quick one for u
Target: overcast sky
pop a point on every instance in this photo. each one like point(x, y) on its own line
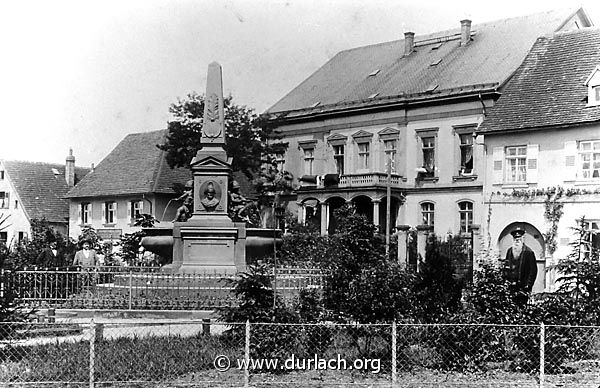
point(83, 74)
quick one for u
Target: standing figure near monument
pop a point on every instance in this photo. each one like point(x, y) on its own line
point(51, 257)
point(520, 267)
point(209, 201)
point(86, 257)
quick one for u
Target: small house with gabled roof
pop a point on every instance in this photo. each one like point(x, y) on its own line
point(33, 190)
point(543, 150)
point(134, 178)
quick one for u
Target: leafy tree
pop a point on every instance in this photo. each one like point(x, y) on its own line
point(579, 272)
point(361, 284)
point(247, 136)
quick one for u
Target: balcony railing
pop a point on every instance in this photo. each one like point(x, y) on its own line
point(369, 179)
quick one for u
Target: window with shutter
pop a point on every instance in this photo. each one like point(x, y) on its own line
point(570, 165)
point(498, 157)
point(532, 163)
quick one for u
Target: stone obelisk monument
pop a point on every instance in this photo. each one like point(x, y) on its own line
point(209, 241)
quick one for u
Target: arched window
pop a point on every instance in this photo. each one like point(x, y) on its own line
point(465, 212)
point(428, 213)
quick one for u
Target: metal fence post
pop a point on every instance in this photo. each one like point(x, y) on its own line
point(92, 352)
point(247, 356)
point(542, 352)
point(394, 373)
point(130, 289)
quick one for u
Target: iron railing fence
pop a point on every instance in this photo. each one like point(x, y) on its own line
point(137, 288)
point(198, 353)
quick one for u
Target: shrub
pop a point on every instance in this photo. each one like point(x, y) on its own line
point(437, 289)
point(257, 303)
point(26, 254)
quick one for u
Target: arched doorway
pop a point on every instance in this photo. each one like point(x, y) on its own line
point(312, 214)
point(334, 204)
point(535, 241)
point(364, 206)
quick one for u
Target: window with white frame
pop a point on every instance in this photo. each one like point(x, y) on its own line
point(589, 159)
point(363, 156)
point(309, 159)
point(592, 237)
point(137, 208)
point(593, 84)
point(110, 212)
point(516, 164)
point(428, 213)
point(390, 152)
point(465, 213)
point(86, 210)
point(466, 154)
point(428, 149)
point(1, 175)
point(3, 238)
point(338, 157)
point(4, 200)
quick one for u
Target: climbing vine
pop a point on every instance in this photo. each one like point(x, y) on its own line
point(552, 213)
point(553, 206)
point(488, 222)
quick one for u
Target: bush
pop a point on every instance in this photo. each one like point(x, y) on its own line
point(26, 254)
point(437, 289)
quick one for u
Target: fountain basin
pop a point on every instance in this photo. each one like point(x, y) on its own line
point(260, 242)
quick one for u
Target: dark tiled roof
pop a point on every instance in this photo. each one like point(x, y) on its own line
point(40, 190)
point(135, 166)
point(490, 58)
point(548, 88)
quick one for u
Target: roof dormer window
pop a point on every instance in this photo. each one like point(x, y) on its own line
point(593, 85)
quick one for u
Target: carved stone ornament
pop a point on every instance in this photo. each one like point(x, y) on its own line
point(212, 114)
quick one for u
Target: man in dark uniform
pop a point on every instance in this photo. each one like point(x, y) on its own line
point(520, 267)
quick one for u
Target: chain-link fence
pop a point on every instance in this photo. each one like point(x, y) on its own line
point(202, 353)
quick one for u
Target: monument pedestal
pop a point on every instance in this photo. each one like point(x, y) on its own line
point(199, 248)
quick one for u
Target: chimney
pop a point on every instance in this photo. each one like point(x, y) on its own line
point(409, 43)
point(465, 32)
point(70, 169)
point(92, 168)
